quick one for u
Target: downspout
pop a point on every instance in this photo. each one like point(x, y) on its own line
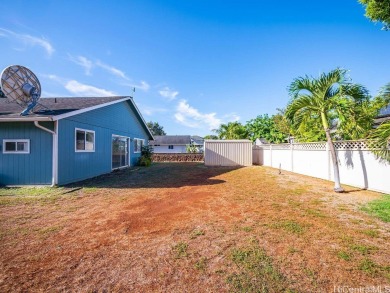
point(55, 150)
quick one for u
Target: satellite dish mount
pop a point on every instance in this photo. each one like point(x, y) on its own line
point(21, 86)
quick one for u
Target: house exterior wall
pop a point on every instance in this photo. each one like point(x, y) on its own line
point(118, 119)
point(163, 149)
point(32, 168)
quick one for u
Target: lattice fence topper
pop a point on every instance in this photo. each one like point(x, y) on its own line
point(263, 146)
point(310, 146)
point(356, 145)
point(281, 146)
point(362, 145)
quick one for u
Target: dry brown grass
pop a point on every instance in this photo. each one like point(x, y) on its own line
point(186, 227)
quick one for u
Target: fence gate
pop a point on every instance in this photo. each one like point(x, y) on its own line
point(228, 152)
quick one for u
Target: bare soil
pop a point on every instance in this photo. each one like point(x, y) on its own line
point(175, 227)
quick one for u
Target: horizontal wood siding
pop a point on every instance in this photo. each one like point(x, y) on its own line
point(118, 119)
point(32, 168)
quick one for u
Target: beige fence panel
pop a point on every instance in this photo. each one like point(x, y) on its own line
point(228, 153)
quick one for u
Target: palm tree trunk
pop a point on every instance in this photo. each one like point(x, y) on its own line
point(336, 173)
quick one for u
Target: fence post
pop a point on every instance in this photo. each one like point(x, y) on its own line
point(270, 152)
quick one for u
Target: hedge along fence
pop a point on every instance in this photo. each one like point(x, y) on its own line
point(177, 158)
point(357, 164)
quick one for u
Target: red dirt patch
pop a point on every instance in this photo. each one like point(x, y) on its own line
point(118, 232)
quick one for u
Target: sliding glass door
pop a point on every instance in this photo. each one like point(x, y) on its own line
point(120, 151)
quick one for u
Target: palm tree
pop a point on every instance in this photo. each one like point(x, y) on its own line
point(381, 135)
point(232, 130)
point(325, 98)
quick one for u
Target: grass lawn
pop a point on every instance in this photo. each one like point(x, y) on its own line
point(186, 228)
point(379, 208)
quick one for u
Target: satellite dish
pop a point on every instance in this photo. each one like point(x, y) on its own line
point(21, 86)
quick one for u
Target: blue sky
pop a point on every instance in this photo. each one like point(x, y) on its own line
point(194, 64)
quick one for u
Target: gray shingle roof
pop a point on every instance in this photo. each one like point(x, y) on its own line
point(171, 140)
point(197, 140)
point(53, 106)
point(384, 112)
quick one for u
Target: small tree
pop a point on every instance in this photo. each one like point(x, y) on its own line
point(378, 10)
point(324, 99)
point(146, 156)
point(264, 126)
point(232, 130)
point(191, 148)
point(210, 136)
point(155, 128)
point(381, 135)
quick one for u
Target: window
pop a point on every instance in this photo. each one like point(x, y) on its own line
point(170, 147)
point(138, 144)
point(16, 146)
point(85, 140)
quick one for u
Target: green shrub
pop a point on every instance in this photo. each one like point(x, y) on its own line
point(146, 156)
point(146, 162)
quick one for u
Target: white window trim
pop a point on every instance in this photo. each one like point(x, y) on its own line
point(75, 140)
point(128, 151)
point(16, 141)
point(143, 144)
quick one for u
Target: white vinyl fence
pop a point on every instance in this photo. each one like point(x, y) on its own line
point(228, 152)
point(358, 166)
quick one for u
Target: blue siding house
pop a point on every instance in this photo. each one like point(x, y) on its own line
point(69, 139)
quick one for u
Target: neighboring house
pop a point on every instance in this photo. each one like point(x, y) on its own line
point(163, 144)
point(384, 115)
point(73, 139)
point(198, 141)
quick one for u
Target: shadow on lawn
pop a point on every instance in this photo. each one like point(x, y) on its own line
point(159, 175)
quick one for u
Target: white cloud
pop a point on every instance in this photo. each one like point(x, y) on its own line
point(29, 40)
point(233, 117)
point(169, 94)
point(83, 62)
point(85, 90)
point(148, 111)
point(191, 117)
point(112, 70)
point(78, 88)
point(53, 77)
point(51, 94)
point(124, 80)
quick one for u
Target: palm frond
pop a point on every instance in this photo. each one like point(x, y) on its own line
point(356, 92)
point(300, 84)
point(381, 136)
point(297, 104)
point(332, 91)
point(385, 93)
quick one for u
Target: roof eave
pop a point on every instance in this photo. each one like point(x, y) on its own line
point(26, 119)
point(142, 118)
